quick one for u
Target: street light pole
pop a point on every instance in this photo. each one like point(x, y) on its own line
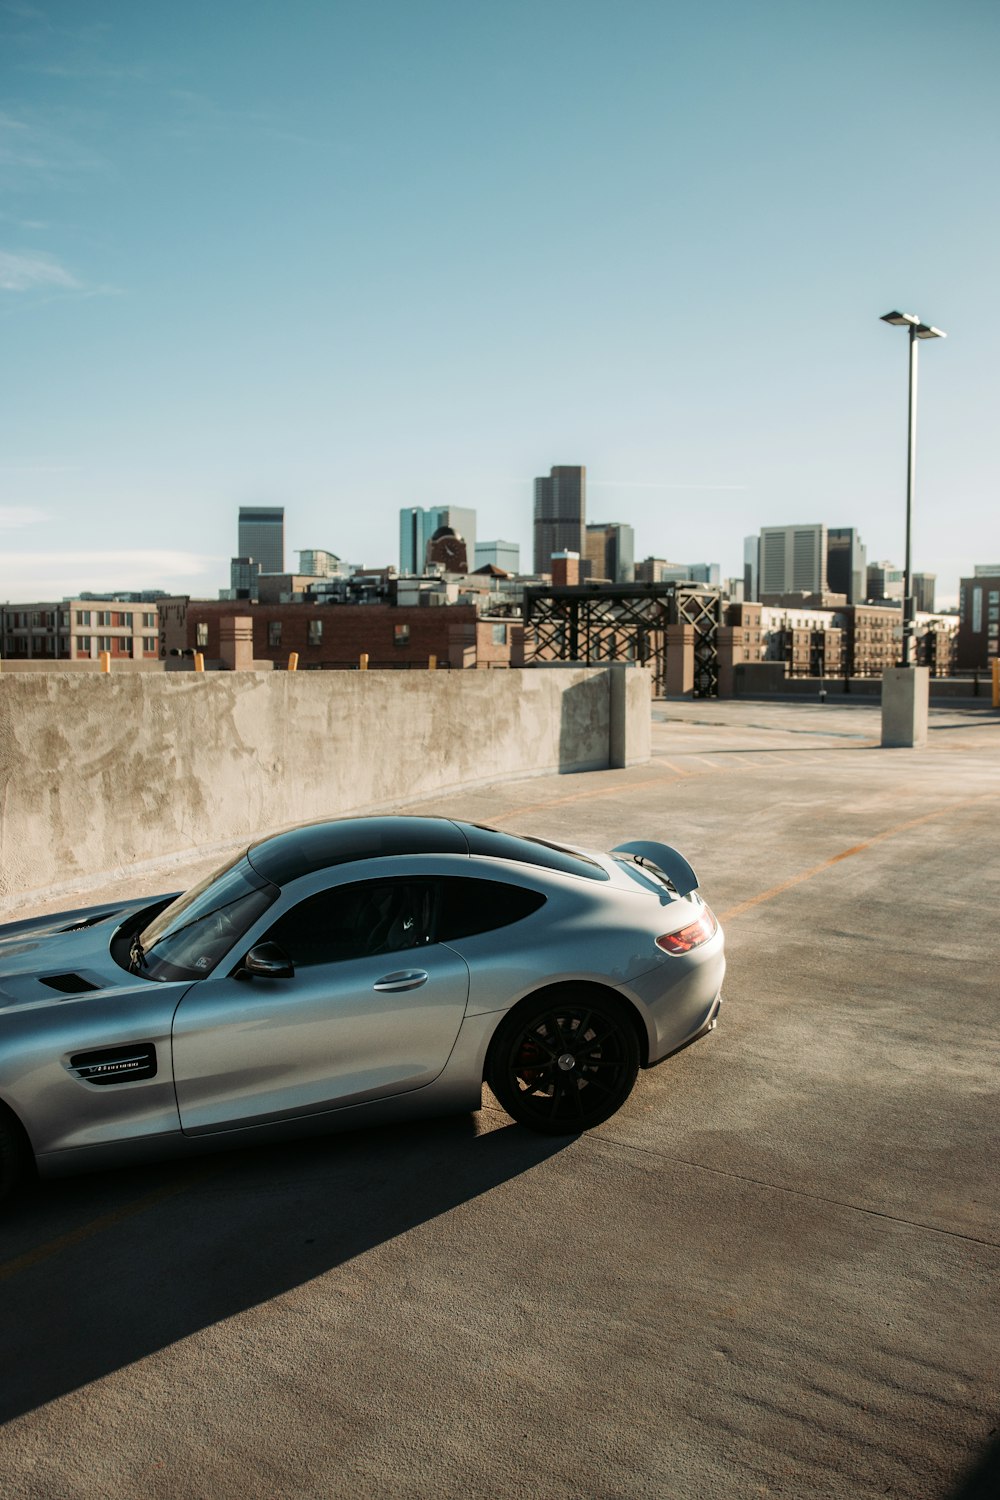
point(917, 330)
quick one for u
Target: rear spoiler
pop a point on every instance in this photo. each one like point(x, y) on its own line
point(664, 859)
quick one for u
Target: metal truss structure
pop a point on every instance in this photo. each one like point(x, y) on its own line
point(601, 622)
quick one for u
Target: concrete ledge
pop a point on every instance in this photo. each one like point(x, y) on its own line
point(127, 664)
point(99, 772)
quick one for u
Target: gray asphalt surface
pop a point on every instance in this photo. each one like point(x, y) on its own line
point(774, 1272)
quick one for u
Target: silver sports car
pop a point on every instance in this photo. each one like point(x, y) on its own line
point(350, 972)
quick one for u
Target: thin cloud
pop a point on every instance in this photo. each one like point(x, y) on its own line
point(639, 484)
point(26, 273)
point(13, 516)
point(37, 468)
point(95, 72)
point(199, 115)
point(58, 575)
point(48, 148)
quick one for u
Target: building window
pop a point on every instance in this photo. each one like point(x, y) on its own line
point(401, 634)
point(201, 635)
point(104, 643)
point(148, 620)
point(274, 632)
point(83, 617)
point(83, 645)
point(315, 632)
point(149, 643)
point(499, 635)
point(102, 617)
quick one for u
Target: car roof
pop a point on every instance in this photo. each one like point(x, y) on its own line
point(316, 846)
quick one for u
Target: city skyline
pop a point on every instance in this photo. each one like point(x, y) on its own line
point(345, 262)
point(425, 520)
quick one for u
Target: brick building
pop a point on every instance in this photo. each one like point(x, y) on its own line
point(334, 636)
point(79, 629)
point(936, 649)
point(876, 639)
point(978, 622)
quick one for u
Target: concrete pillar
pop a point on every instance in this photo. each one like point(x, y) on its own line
point(728, 644)
point(905, 696)
point(629, 715)
point(565, 569)
point(680, 661)
point(236, 642)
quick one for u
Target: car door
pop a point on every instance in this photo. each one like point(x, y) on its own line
point(372, 1009)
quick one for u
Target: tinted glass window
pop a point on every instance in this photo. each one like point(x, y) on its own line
point(189, 936)
point(471, 906)
point(314, 846)
point(356, 921)
point(531, 851)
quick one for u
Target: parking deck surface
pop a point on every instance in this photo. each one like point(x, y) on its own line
point(774, 1272)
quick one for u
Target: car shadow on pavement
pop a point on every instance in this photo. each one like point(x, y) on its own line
point(982, 1482)
point(99, 1272)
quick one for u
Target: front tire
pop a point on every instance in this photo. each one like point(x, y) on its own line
point(561, 1066)
point(13, 1155)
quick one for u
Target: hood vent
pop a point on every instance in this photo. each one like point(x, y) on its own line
point(68, 984)
point(116, 1064)
point(85, 922)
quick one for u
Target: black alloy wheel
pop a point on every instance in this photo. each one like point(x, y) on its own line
point(564, 1066)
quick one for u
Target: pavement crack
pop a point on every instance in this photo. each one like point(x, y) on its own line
point(777, 1187)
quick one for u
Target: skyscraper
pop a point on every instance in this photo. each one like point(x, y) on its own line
point(560, 514)
point(505, 555)
point(611, 551)
point(923, 591)
point(792, 560)
point(417, 525)
point(846, 562)
point(751, 567)
point(262, 536)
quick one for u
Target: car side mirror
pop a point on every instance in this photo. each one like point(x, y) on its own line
point(268, 961)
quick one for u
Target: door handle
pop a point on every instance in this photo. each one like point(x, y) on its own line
point(402, 979)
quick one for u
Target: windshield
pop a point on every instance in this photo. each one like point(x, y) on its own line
point(194, 932)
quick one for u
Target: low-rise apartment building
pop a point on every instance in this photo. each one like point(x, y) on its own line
point(79, 629)
point(876, 639)
point(335, 636)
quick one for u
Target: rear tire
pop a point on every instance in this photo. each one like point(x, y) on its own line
point(563, 1065)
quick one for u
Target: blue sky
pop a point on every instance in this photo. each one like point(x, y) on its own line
point(347, 257)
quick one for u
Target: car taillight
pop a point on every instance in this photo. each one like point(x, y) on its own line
point(691, 936)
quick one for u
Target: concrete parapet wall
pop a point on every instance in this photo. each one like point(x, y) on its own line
point(761, 680)
point(102, 771)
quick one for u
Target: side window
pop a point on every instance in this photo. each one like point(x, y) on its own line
point(357, 921)
point(471, 906)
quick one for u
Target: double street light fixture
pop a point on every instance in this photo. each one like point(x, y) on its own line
point(918, 330)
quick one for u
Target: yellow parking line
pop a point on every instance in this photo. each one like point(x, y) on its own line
point(95, 1226)
point(678, 770)
point(600, 791)
point(887, 833)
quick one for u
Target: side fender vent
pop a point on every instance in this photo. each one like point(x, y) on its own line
point(115, 1064)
